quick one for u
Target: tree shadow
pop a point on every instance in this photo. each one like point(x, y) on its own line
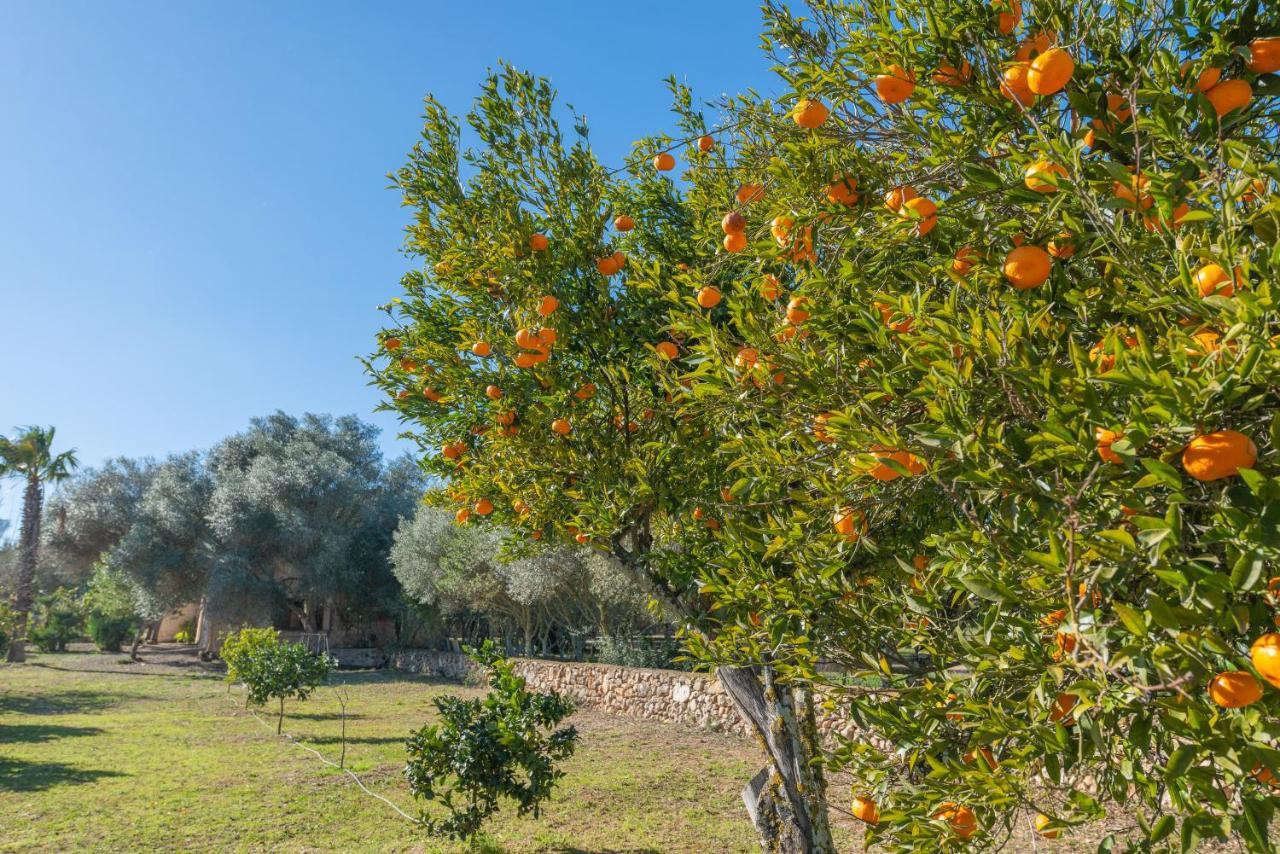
point(320, 716)
point(335, 739)
point(576, 850)
point(69, 702)
point(19, 776)
point(36, 733)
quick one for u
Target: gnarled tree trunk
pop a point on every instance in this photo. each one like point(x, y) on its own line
point(786, 800)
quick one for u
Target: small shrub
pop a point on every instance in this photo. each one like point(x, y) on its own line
point(182, 636)
point(240, 648)
point(273, 670)
point(639, 652)
point(491, 748)
point(61, 621)
point(109, 632)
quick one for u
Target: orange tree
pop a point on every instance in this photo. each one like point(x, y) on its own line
point(532, 354)
point(988, 364)
point(953, 368)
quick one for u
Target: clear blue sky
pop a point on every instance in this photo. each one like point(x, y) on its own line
point(194, 220)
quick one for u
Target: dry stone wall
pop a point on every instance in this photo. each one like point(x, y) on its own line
point(669, 696)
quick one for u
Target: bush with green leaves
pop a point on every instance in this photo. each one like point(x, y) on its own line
point(110, 608)
point(282, 671)
point(242, 648)
point(484, 750)
point(60, 621)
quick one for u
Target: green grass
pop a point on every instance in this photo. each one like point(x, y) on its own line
point(97, 753)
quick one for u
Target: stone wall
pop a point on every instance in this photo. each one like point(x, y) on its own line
point(669, 696)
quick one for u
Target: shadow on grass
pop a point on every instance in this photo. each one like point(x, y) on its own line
point(35, 733)
point(69, 702)
point(318, 716)
point(388, 739)
point(575, 850)
point(19, 776)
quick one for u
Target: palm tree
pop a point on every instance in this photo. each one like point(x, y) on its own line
point(29, 455)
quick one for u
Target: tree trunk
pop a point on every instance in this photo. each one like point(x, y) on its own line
point(28, 546)
point(137, 641)
point(787, 799)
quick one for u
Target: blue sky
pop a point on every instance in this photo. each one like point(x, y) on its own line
point(194, 220)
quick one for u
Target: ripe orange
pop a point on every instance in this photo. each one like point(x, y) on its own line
point(885, 473)
point(1027, 267)
point(770, 287)
point(1050, 71)
point(1061, 708)
point(948, 75)
point(843, 191)
point(431, 395)
point(481, 348)
point(1014, 86)
point(1264, 55)
point(1230, 95)
point(749, 193)
point(484, 507)
point(1234, 689)
point(619, 260)
point(1105, 439)
point(1034, 45)
point(865, 809)
point(1042, 822)
point(1213, 456)
point(733, 223)
point(547, 305)
point(586, 391)
point(1212, 280)
point(525, 360)
point(809, 113)
point(898, 196)
point(796, 311)
point(925, 213)
point(463, 514)
point(493, 392)
point(1265, 654)
point(746, 358)
point(606, 266)
point(735, 242)
point(664, 162)
point(849, 523)
point(547, 336)
point(895, 85)
point(709, 296)
point(1062, 246)
point(624, 223)
point(453, 450)
point(1010, 15)
point(526, 338)
point(1135, 193)
point(1204, 81)
point(667, 350)
point(391, 344)
point(706, 142)
point(1044, 176)
point(964, 259)
point(538, 243)
point(561, 426)
point(962, 820)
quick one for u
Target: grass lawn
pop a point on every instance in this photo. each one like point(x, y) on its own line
point(97, 753)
